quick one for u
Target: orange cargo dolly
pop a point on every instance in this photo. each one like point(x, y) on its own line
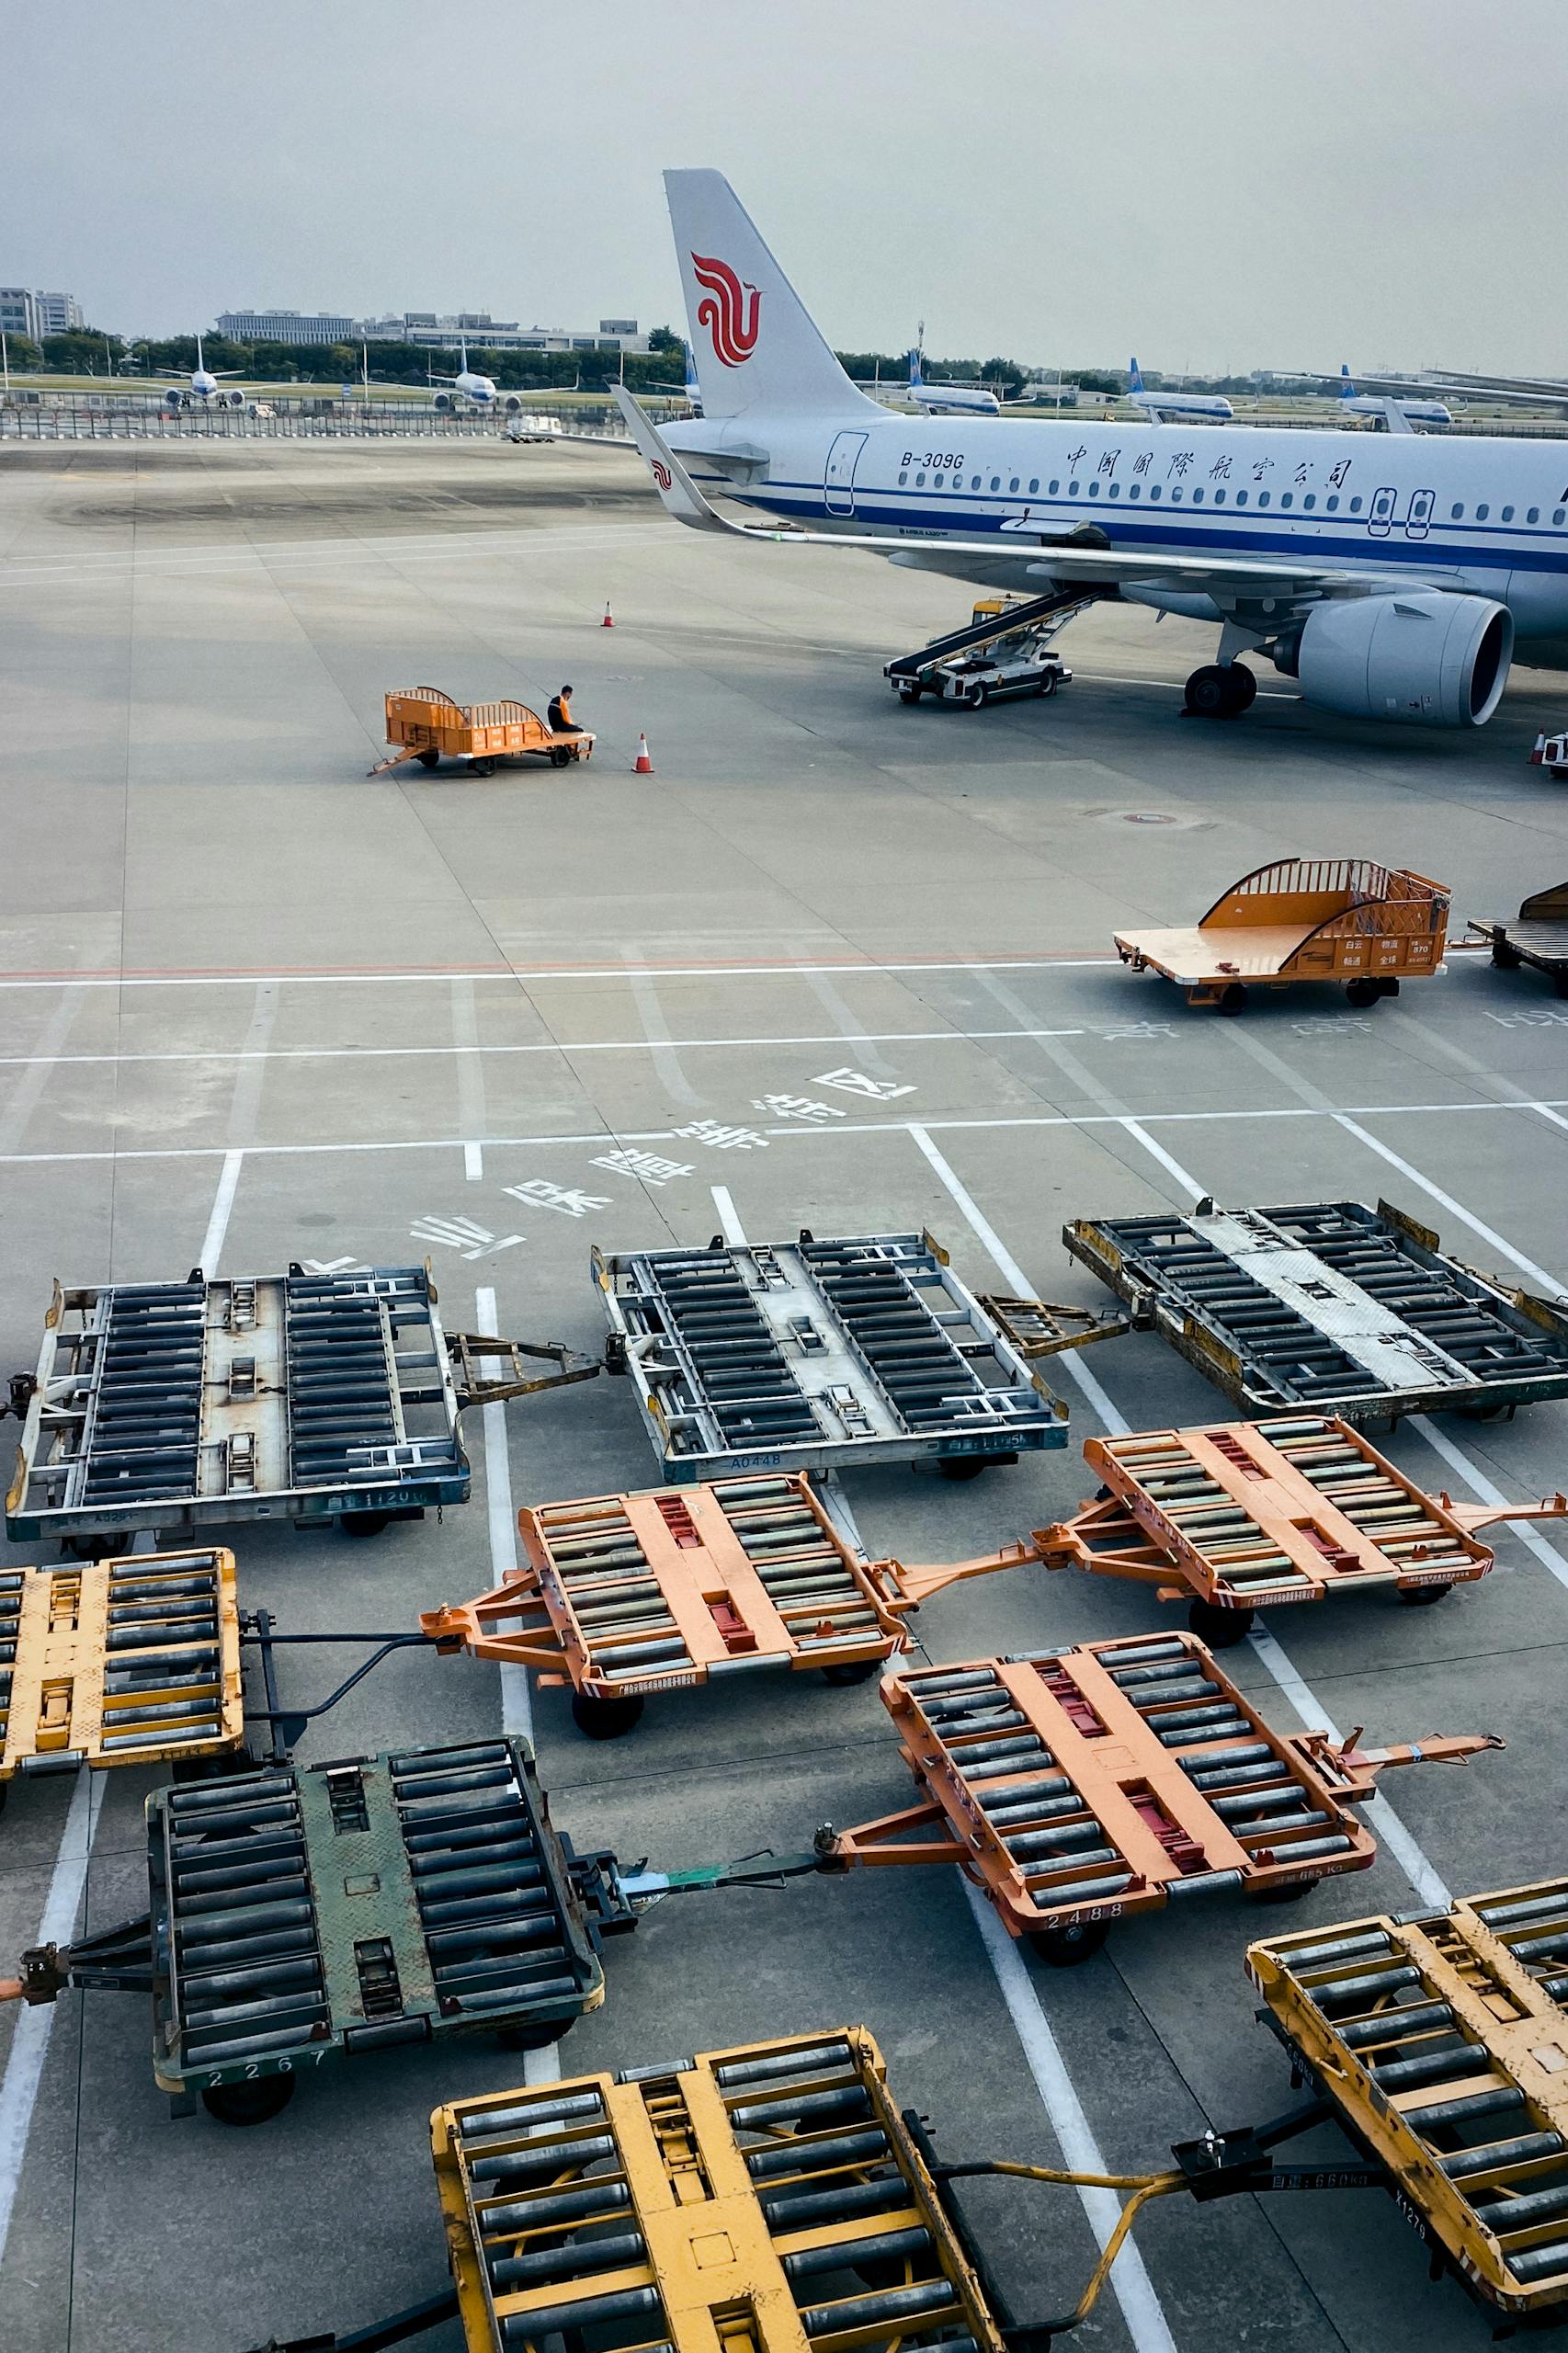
point(621, 1595)
point(1302, 919)
point(1074, 1788)
point(1245, 1516)
point(429, 726)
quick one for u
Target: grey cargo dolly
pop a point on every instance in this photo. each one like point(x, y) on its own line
point(1349, 1309)
point(804, 1355)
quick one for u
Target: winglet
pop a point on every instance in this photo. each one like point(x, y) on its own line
point(679, 494)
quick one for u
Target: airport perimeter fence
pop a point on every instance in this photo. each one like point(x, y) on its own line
point(71, 424)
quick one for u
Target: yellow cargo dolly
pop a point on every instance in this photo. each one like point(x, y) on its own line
point(124, 1662)
point(426, 725)
point(1302, 919)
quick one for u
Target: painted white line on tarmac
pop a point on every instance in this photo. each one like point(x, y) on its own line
point(516, 1700)
point(218, 1223)
point(473, 1161)
point(1416, 1865)
point(29, 2040)
point(510, 975)
point(654, 1046)
point(730, 1224)
point(1489, 1235)
point(1129, 2281)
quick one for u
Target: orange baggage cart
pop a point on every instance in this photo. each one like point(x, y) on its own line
point(429, 726)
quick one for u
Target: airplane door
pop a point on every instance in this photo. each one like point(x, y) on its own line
point(839, 481)
point(1420, 515)
point(1379, 522)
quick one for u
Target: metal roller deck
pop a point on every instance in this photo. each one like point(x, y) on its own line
point(624, 1596)
point(1080, 1785)
point(1329, 1304)
point(803, 1355)
point(759, 2199)
point(1246, 1516)
point(1441, 2042)
point(127, 1662)
point(199, 1404)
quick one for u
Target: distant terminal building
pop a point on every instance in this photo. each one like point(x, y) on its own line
point(436, 330)
point(30, 312)
point(287, 326)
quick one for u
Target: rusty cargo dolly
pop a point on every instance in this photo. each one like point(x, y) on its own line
point(1239, 1516)
point(808, 1355)
point(628, 1596)
point(196, 1405)
point(426, 725)
point(1332, 1306)
point(1076, 1787)
point(126, 1661)
point(1302, 919)
point(1536, 935)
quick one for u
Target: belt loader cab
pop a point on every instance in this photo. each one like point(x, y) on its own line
point(991, 667)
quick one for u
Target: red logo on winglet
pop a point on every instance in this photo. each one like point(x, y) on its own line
point(729, 320)
point(660, 474)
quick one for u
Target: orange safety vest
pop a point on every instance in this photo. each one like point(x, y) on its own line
point(561, 713)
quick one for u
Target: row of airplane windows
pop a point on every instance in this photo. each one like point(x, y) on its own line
point(1265, 497)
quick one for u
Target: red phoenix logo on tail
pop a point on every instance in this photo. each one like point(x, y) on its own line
point(660, 474)
point(729, 320)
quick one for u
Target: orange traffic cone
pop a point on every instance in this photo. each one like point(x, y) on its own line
point(641, 765)
point(608, 621)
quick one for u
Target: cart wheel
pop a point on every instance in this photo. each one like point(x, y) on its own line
point(1292, 1893)
point(1387, 984)
point(961, 1466)
point(1047, 684)
point(1363, 992)
point(428, 759)
point(364, 1523)
point(211, 1768)
point(256, 2103)
point(852, 1670)
point(5, 1794)
point(85, 1548)
point(1063, 1948)
point(1221, 1628)
point(909, 692)
point(604, 1719)
point(559, 757)
point(1560, 984)
point(534, 2037)
point(979, 695)
point(1232, 997)
point(483, 768)
point(1422, 1597)
point(1506, 958)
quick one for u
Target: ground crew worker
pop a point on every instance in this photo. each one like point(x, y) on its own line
point(560, 714)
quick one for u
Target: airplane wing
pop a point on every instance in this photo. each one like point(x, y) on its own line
point(1039, 553)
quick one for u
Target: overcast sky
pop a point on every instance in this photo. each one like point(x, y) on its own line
point(1213, 182)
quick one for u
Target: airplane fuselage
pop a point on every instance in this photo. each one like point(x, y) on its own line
point(1489, 516)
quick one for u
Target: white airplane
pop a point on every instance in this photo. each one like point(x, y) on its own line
point(480, 390)
point(1206, 408)
point(203, 385)
point(1388, 576)
point(691, 389)
point(948, 400)
point(1401, 416)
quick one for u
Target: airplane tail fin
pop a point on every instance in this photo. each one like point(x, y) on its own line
point(917, 381)
point(1346, 389)
point(1134, 376)
point(743, 313)
point(693, 389)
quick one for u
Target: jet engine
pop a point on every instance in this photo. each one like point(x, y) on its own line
point(512, 404)
point(1417, 656)
point(442, 402)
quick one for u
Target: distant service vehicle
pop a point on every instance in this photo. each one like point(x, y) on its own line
point(1000, 669)
point(1191, 408)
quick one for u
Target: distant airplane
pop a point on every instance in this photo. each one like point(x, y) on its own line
point(1192, 407)
point(1400, 415)
point(203, 385)
point(948, 400)
point(480, 390)
point(1524, 392)
point(691, 389)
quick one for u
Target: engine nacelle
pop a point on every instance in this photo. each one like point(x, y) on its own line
point(442, 402)
point(512, 404)
point(1417, 655)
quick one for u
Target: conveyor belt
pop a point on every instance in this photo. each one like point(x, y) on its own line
point(336, 1908)
point(757, 2200)
point(1330, 1304)
point(800, 1355)
point(1442, 2041)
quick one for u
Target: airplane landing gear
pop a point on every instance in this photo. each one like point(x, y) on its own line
point(1220, 690)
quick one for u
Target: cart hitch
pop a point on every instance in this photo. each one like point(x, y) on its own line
point(642, 1888)
point(1223, 2164)
point(118, 1959)
point(395, 2330)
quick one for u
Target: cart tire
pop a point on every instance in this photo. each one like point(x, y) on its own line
point(364, 1523)
point(1292, 1893)
point(1047, 684)
point(961, 1466)
point(559, 757)
point(534, 2037)
point(909, 692)
point(257, 2103)
point(1422, 1597)
point(1506, 958)
point(483, 768)
point(605, 1719)
point(1221, 1628)
point(1232, 997)
point(428, 759)
point(86, 1548)
point(1064, 1948)
point(852, 1670)
point(229, 1761)
point(978, 695)
point(1363, 992)
point(1387, 984)
point(1560, 984)
point(5, 1794)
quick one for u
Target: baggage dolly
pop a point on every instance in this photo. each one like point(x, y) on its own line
point(426, 725)
point(1537, 935)
point(1249, 1516)
point(1329, 1305)
point(1074, 1788)
point(808, 1355)
point(1302, 919)
point(196, 1405)
point(627, 1596)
